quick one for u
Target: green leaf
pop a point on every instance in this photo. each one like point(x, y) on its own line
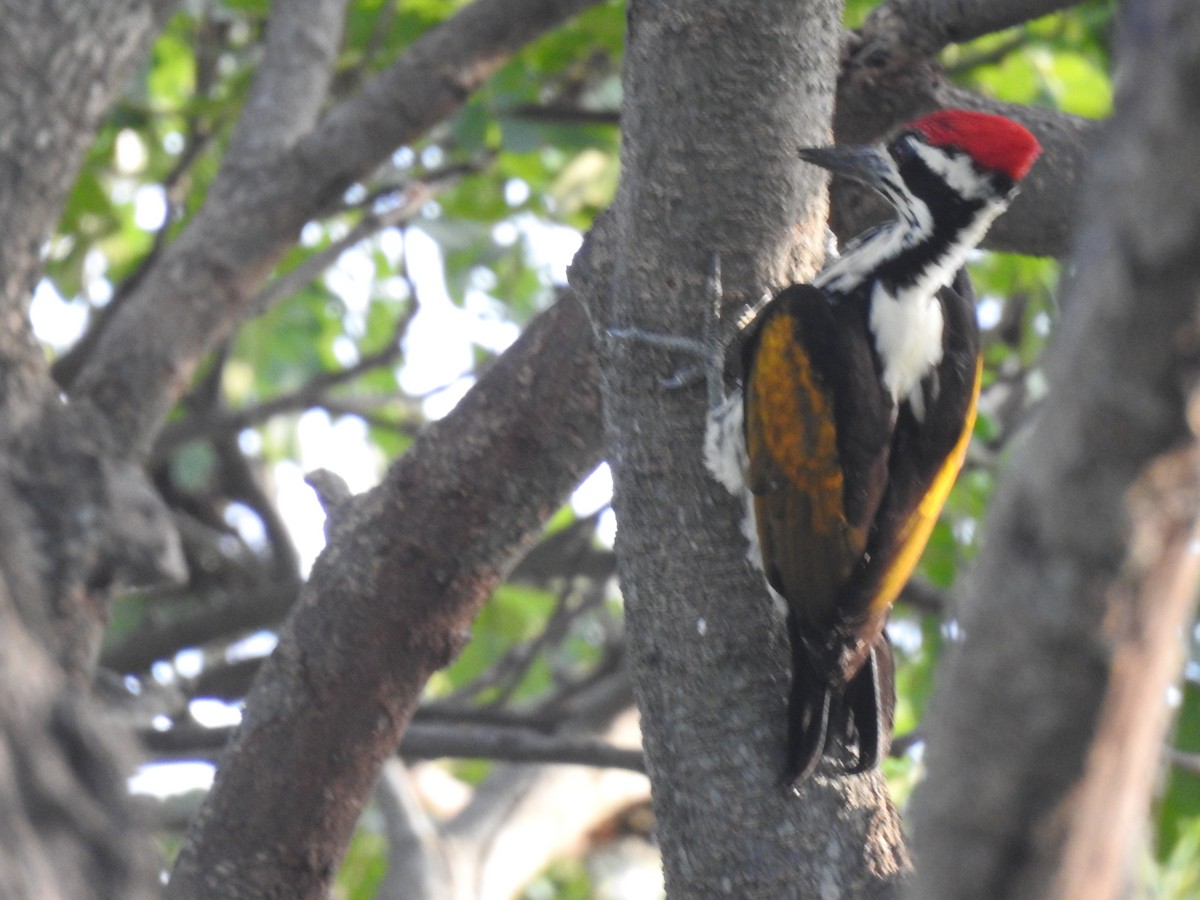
point(1177, 875)
point(363, 868)
point(587, 182)
point(1179, 808)
point(171, 79)
point(564, 879)
point(1015, 79)
point(914, 672)
point(1077, 84)
point(939, 562)
point(515, 613)
point(287, 345)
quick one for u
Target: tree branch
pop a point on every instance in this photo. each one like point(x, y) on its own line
point(292, 80)
point(391, 600)
point(417, 864)
point(434, 741)
point(199, 135)
point(1016, 706)
point(68, 827)
point(927, 26)
point(169, 625)
point(204, 283)
point(1181, 759)
point(1151, 607)
point(520, 819)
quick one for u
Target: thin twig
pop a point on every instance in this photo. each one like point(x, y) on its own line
point(1183, 760)
point(563, 114)
point(969, 61)
point(430, 741)
point(415, 196)
point(308, 395)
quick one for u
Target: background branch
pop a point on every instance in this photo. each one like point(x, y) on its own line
point(408, 566)
point(291, 82)
point(1016, 706)
point(434, 741)
point(205, 281)
point(1150, 608)
point(927, 26)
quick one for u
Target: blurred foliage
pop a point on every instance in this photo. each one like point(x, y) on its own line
point(502, 190)
point(511, 180)
point(363, 869)
point(564, 880)
point(1175, 875)
point(1060, 61)
point(1179, 805)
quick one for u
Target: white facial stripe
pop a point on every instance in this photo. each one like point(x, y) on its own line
point(865, 253)
point(861, 256)
point(907, 326)
point(956, 169)
point(888, 240)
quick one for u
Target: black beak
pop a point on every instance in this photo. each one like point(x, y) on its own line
point(867, 164)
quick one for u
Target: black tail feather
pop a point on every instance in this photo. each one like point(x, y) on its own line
point(808, 723)
point(821, 716)
point(811, 702)
point(870, 701)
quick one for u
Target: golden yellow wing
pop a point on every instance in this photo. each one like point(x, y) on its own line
point(795, 471)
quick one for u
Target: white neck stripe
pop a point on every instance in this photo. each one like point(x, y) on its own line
point(956, 169)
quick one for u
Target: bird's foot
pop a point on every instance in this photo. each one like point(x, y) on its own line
point(709, 349)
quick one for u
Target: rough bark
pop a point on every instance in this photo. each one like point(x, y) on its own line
point(71, 522)
point(1017, 705)
point(67, 828)
point(389, 602)
point(927, 26)
point(716, 99)
point(62, 64)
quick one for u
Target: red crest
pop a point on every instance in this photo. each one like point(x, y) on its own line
point(994, 142)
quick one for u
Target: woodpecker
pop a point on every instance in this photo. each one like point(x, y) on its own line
point(858, 399)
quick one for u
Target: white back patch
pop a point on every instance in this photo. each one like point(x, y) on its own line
point(726, 460)
point(908, 338)
point(725, 445)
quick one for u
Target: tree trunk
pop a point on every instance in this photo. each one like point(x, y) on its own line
point(1018, 704)
point(67, 829)
point(716, 101)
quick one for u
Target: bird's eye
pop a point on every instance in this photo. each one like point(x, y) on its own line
point(902, 148)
